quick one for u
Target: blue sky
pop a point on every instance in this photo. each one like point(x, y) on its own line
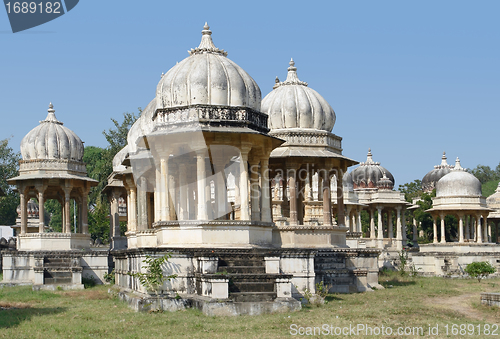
point(408, 79)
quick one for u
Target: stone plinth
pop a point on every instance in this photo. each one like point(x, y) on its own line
point(53, 242)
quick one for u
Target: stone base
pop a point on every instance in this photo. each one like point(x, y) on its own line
point(209, 306)
point(309, 236)
point(53, 242)
point(57, 287)
point(455, 247)
point(490, 299)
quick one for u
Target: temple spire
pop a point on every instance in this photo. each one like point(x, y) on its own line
point(51, 117)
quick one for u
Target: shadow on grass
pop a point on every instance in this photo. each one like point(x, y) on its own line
point(332, 297)
point(396, 283)
point(14, 316)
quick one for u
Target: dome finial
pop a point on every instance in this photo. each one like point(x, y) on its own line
point(291, 78)
point(458, 167)
point(443, 160)
point(206, 44)
point(369, 158)
point(51, 117)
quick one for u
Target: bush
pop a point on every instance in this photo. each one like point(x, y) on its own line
point(479, 270)
point(88, 281)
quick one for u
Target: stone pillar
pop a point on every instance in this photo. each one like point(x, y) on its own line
point(434, 229)
point(164, 200)
point(479, 233)
point(24, 212)
point(348, 219)
point(172, 194)
point(254, 189)
point(485, 229)
point(266, 198)
point(360, 229)
point(133, 210)
point(201, 179)
point(308, 187)
point(292, 185)
point(41, 211)
point(183, 213)
point(403, 225)
point(467, 227)
point(380, 228)
point(460, 228)
point(67, 210)
point(244, 208)
point(157, 193)
point(85, 214)
point(327, 200)
point(340, 199)
point(443, 234)
point(399, 229)
point(114, 216)
point(372, 224)
point(390, 233)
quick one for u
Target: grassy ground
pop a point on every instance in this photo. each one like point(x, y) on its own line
point(406, 302)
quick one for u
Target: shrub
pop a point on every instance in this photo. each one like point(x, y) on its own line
point(479, 270)
point(154, 278)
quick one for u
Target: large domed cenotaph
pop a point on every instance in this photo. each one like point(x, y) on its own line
point(197, 174)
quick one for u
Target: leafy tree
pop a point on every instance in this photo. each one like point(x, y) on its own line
point(99, 167)
point(117, 136)
point(411, 190)
point(485, 173)
point(154, 278)
point(9, 168)
point(479, 270)
point(99, 220)
point(424, 218)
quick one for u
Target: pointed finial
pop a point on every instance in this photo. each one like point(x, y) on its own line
point(277, 80)
point(206, 44)
point(443, 160)
point(291, 78)
point(458, 167)
point(51, 117)
point(369, 159)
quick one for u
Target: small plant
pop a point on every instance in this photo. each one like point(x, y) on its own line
point(414, 270)
point(479, 270)
point(88, 281)
point(110, 277)
point(154, 278)
point(403, 259)
point(322, 290)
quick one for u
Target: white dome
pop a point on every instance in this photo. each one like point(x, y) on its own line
point(142, 126)
point(207, 77)
point(292, 104)
point(51, 140)
point(458, 183)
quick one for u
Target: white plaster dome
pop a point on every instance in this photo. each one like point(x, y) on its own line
point(458, 182)
point(52, 140)
point(292, 104)
point(493, 201)
point(207, 77)
point(370, 174)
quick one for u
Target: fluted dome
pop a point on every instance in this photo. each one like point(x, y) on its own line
point(51, 140)
point(292, 104)
point(493, 200)
point(32, 208)
point(430, 179)
point(458, 182)
point(207, 77)
point(369, 174)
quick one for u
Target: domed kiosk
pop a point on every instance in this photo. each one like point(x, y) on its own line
point(459, 193)
point(374, 186)
point(52, 168)
point(493, 202)
point(430, 179)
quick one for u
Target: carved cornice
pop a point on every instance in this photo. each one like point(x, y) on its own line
point(74, 167)
point(225, 223)
point(309, 138)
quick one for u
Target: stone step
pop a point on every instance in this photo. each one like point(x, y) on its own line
point(242, 269)
point(252, 297)
point(57, 277)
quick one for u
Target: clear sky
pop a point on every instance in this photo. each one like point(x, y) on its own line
point(408, 79)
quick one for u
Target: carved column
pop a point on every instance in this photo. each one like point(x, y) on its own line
point(479, 231)
point(340, 199)
point(142, 204)
point(372, 223)
point(157, 193)
point(434, 229)
point(164, 192)
point(201, 180)
point(133, 209)
point(380, 228)
point(291, 174)
point(183, 194)
point(41, 210)
point(114, 216)
point(348, 219)
point(245, 212)
point(360, 228)
point(390, 232)
point(24, 212)
point(266, 199)
point(85, 213)
point(172, 192)
point(415, 230)
point(67, 210)
point(460, 228)
point(254, 188)
point(399, 229)
point(443, 235)
point(327, 200)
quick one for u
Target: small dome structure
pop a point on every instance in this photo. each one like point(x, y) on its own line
point(430, 179)
point(369, 173)
point(493, 200)
point(32, 208)
point(51, 140)
point(207, 77)
point(458, 182)
point(385, 183)
point(292, 104)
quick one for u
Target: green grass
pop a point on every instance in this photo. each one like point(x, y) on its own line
point(94, 313)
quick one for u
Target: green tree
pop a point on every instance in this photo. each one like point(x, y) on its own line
point(9, 168)
point(99, 220)
point(411, 190)
point(117, 136)
point(485, 173)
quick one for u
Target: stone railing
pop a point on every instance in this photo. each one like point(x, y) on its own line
point(197, 116)
point(309, 138)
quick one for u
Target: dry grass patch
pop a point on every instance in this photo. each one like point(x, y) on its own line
point(90, 294)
